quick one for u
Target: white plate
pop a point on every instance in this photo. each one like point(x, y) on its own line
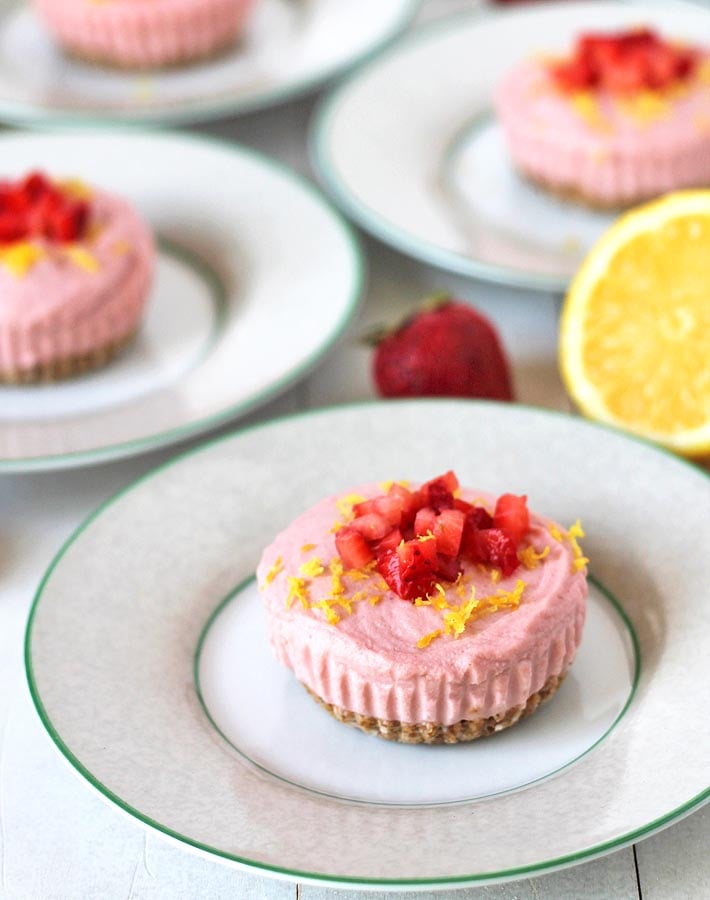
point(409, 148)
point(164, 697)
point(257, 278)
point(291, 47)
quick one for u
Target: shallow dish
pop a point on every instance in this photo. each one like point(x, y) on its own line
point(244, 242)
point(432, 177)
point(290, 47)
point(146, 661)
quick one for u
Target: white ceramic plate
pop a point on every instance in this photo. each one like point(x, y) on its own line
point(409, 148)
point(291, 47)
point(257, 278)
point(164, 697)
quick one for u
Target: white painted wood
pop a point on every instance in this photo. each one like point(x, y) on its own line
point(675, 864)
point(611, 877)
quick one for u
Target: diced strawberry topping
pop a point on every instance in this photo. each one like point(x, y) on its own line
point(352, 548)
point(410, 570)
point(36, 207)
point(425, 521)
point(448, 530)
point(419, 536)
point(624, 63)
point(371, 526)
point(499, 550)
point(389, 542)
point(480, 517)
point(511, 514)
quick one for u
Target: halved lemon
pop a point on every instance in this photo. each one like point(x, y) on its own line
point(635, 328)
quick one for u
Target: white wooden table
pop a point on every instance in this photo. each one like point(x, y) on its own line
point(58, 839)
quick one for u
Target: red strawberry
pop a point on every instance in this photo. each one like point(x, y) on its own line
point(410, 569)
point(511, 514)
point(424, 521)
point(352, 548)
point(499, 550)
point(448, 351)
point(448, 529)
point(371, 526)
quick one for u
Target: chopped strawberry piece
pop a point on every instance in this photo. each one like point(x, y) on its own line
point(371, 526)
point(448, 530)
point(407, 503)
point(463, 505)
point(627, 75)
point(511, 514)
point(448, 480)
point(12, 227)
point(424, 521)
point(34, 185)
point(573, 75)
point(364, 508)
point(480, 517)
point(389, 542)
point(410, 569)
point(68, 222)
point(448, 568)
point(499, 549)
point(352, 548)
point(390, 508)
point(661, 65)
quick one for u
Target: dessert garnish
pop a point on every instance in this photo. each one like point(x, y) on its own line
point(420, 537)
point(37, 207)
point(624, 63)
point(446, 349)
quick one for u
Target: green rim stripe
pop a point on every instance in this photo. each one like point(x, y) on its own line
point(234, 593)
point(538, 868)
point(26, 115)
point(117, 451)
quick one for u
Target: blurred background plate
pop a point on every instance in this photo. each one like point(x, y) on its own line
point(245, 246)
point(291, 47)
point(409, 148)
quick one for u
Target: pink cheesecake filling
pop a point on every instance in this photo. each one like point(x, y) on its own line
point(608, 148)
point(79, 297)
point(371, 661)
point(144, 33)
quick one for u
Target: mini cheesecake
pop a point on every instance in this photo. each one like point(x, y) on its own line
point(142, 34)
point(624, 118)
point(425, 614)
point(76, 267)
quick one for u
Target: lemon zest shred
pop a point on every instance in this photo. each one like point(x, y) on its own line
point(312, 568)
point(273, 571)
point(530, 558)
point(428, 638)
point(306, 548)
point(429, 536)
point(345, 505)
point(555, 532)
point(495, 575)
point(297, 590)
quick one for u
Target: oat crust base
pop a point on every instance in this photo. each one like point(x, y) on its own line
point(571, 194)
point(430, 732)
point(109, 63)
point(70, 366)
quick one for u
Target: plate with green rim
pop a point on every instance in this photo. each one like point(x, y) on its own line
point(409, 147)
point(243, 243)
point(290, 48)
point(149, 668)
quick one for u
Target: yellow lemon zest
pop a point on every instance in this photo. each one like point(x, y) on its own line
point(297, 590)
point(312, 569)
point(20, 257)
point(374, 599)
point(306, 548)
point(75, 189)
point(428, 638)
point(555, 532)
point(530, 558)
point(81, 258)
point(495, 576)
point(426, 537)
point(586, 105)
point(345, 505)
point(274, 570)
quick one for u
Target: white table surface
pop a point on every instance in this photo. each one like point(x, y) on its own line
point(60, 840)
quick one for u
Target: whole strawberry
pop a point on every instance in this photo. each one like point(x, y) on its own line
point(447, 350)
